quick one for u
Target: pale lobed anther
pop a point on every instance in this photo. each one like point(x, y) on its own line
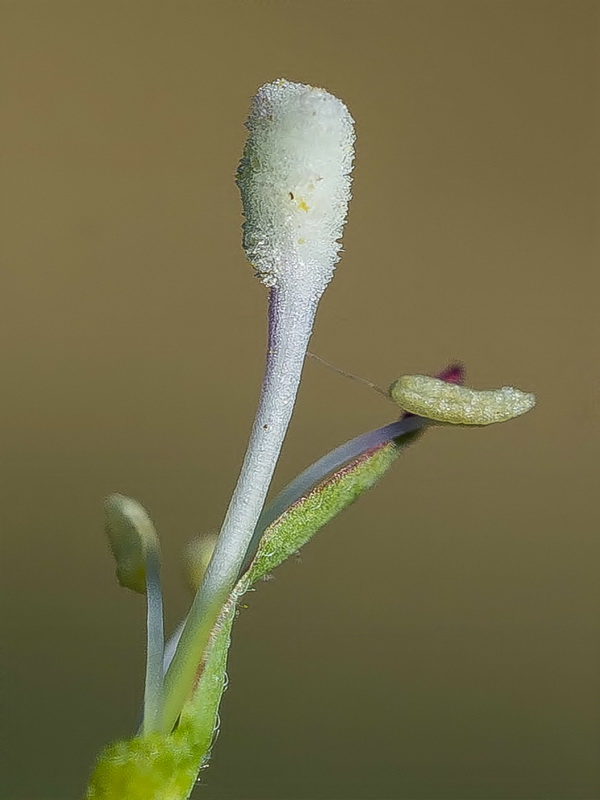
point(459, 405)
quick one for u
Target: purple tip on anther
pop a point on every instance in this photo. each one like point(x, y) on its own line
point(454, 373)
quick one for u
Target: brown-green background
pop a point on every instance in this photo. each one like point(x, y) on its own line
point(441, 639)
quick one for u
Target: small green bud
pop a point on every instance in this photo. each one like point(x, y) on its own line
point(132, 539)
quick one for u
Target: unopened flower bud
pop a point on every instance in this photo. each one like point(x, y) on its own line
point(133, 540)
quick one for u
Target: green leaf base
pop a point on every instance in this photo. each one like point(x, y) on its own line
point(155, 767)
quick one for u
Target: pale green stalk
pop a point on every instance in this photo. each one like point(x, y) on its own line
point(155, 645)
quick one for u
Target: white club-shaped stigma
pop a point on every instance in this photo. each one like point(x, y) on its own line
point(294, 178)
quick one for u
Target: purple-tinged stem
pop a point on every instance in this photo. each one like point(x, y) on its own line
point(291, 317)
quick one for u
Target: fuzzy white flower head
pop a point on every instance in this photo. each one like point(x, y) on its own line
point(294, 178)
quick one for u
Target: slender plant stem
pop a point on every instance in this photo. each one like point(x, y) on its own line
point(307, 480)
point(155, 646)
point(291, 317)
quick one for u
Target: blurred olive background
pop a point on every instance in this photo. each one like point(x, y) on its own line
point(440, 639)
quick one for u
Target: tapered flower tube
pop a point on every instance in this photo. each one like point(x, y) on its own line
point(294, 178)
